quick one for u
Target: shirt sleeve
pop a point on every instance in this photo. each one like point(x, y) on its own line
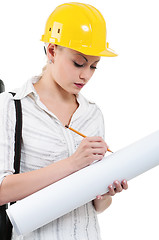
point(7, 133)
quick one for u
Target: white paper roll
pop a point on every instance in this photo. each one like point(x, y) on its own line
point(83, 186)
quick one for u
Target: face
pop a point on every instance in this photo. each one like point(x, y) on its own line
point(71, 70)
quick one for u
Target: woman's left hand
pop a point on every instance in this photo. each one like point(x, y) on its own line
point(112, 191)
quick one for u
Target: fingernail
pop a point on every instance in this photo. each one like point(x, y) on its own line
point(100, 198)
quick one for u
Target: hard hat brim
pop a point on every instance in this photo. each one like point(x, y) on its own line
point(105, 53)
point(108, 53)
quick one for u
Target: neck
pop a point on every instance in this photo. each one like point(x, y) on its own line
point(46, 87)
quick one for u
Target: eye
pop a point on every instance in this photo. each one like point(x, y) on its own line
point(93, 67)
point(78, 65)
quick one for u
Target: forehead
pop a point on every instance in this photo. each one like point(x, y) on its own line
point(80, 55)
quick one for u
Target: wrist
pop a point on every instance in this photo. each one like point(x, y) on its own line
point(72, 163)
point(102, 204)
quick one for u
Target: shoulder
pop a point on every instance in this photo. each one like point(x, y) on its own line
point(6, 101)
point(5, 97)
point(89, 103)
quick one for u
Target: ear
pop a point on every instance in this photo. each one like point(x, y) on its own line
point(51, 51)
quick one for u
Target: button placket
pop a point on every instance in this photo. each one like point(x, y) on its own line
point(69, 140)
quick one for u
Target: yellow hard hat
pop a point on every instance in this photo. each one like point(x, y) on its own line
point(80, 27)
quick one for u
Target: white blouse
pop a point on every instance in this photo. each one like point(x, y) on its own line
point(44, 141)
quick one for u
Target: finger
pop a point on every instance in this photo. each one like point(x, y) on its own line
point(99, 197)
point(99, 145)
point(98, 151)
point(118, 186)
point(97, 140)
point(111, 190)
point(124, 184)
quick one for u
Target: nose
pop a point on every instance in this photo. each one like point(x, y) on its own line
point(86, 74)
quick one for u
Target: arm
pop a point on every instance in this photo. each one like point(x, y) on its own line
point(17, 186)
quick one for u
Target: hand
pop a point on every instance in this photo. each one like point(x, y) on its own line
point(90, 149)
point(112, 191)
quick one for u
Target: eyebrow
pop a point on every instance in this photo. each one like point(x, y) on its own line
point(85, 57)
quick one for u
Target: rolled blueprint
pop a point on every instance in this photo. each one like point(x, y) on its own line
point(83, 186)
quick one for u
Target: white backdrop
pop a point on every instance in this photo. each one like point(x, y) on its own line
point(125, 88)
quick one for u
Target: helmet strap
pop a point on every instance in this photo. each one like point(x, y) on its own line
point(45, 50)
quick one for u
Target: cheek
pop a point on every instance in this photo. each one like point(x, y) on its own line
point(92, 73)
point(68, 72)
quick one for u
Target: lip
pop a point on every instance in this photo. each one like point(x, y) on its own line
point(79, 85)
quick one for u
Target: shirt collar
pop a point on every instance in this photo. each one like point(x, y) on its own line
point(27, 89)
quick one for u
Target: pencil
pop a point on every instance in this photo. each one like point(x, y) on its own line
point(82, 135)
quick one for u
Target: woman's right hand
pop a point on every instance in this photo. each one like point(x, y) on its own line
point(90, 149)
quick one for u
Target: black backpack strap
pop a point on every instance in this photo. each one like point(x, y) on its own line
point(2, 87)
point(17, 155)
point(18, 135)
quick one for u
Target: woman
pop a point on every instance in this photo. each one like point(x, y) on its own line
point(51, 152)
